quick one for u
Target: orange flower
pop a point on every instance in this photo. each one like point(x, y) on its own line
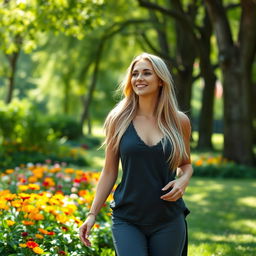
point(31, 244)
point(43, 231)
point(199, 162)
point(32, 179)
point(82, 192)
point(9, 171)
point(27, 222)
point(48, 182)
point(36, 216)
point(39, 236)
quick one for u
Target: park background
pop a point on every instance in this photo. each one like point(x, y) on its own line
point(61, 62)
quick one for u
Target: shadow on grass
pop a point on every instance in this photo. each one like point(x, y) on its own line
point(222, 219)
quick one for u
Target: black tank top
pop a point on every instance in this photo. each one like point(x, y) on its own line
point(145, 173)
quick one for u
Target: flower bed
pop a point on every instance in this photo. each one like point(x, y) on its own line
point(42, 207)
point(218, 166)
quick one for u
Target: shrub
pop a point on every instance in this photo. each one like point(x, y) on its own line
point(65, 126)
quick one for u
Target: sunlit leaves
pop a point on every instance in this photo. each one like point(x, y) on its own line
point(21, 21)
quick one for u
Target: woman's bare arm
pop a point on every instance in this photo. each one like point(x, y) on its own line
point(106, 181)
point(105, 185)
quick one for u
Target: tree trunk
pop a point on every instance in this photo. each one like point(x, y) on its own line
point(253, 94)
point(92, 86)
point(13, 59)
point(235, 63)
point(207, 72)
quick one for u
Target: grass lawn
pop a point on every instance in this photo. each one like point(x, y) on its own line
point(222, 219)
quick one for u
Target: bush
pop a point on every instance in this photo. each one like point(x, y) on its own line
point(65, 126)
point(220, 167)
point(26, 136)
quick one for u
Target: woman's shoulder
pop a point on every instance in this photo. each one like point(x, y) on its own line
point(185, 122)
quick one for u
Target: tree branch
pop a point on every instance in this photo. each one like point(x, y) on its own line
point(176, 15)
point(159, 53)
point(220, 23)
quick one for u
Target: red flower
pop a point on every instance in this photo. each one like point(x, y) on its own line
point(24, 234)
point(62, 253)
point(64, 228)
point(51, 233)
point(31, 244)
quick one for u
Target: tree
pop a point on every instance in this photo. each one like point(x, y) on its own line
point(236, 59)
point(22, 21)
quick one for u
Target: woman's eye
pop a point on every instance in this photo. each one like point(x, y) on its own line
point(134, 74)
point(147, 73)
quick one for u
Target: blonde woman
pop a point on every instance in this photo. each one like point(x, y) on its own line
point(150, 136)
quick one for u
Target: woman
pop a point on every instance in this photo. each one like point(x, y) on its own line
point(151, 137)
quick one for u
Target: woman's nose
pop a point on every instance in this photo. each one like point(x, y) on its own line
point(139, 77)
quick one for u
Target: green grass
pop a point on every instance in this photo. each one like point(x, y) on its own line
point(222, 219)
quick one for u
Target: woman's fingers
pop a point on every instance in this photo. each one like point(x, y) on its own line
point(168, 185)
point(84, 232)
point(174, 194)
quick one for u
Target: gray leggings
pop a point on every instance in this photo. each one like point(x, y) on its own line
point(166, 239)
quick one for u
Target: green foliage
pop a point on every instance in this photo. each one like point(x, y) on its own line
point(21, 123)
point(64, 126)
point(26, 136)
point(22, 21)
point(228, 170)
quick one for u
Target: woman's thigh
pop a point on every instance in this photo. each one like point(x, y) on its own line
point(169, 239)
point(128, 239)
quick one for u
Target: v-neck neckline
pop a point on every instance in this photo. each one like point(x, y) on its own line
point(149, 146)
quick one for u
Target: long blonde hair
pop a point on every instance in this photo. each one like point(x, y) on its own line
point(167, 112)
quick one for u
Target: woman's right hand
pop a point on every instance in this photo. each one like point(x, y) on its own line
point(85, 228)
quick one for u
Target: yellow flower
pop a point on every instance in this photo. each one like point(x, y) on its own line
point(39, 236)
point(16, 203)
point(22, 245)
point(23, 187)
point(9, 171)
point(10, 222)
point(3, 205)
point(62, 218)
point(69, 170)
point(38, 250)
point(34, 186)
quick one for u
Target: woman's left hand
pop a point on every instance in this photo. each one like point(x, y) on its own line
point(178, 189)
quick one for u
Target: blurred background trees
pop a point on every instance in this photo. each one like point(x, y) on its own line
point(66, 58)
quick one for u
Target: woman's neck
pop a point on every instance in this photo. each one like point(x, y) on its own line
point(147, 107)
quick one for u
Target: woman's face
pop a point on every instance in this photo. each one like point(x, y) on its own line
point(144, 79)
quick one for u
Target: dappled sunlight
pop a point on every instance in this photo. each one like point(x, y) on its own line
point(247, 201)
point(222, 220)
